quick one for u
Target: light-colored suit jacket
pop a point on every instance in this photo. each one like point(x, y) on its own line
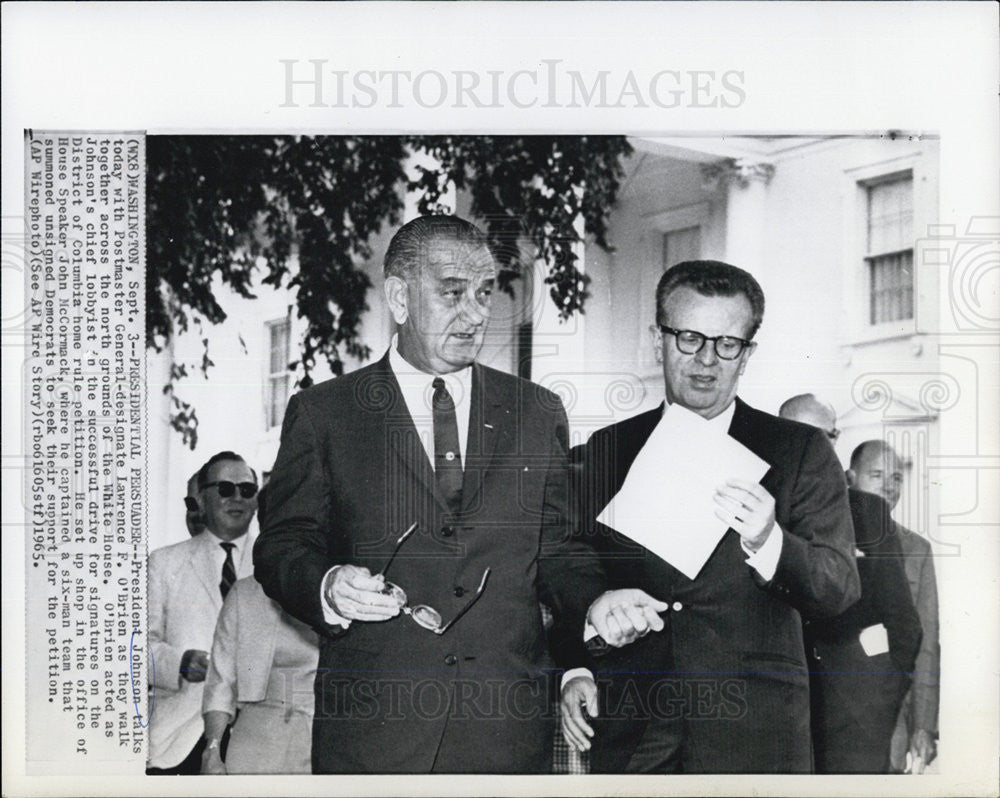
point(264, 664)
point(184, 603)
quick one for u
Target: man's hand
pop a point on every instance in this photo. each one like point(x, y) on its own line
point(579, 692)
point(747, 508)
point(211, 762)
point(357, 595)
point(623, 616)
point(194, 665)
point(922, 748)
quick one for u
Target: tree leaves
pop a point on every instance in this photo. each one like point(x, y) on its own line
point(219, 205)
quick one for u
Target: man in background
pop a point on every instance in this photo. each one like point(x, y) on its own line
point(193, 517)
point(876, 468)
point(861, 660)
point(187, 584)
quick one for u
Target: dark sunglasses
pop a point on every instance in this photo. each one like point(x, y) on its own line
point(226, 488)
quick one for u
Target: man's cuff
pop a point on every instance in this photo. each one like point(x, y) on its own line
point(765, 560)
point(572, 674)
point(329, 613)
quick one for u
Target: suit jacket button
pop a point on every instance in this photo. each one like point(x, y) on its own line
point(451, 659)
point(676, 606)
point(459, 591)
point(447, 531)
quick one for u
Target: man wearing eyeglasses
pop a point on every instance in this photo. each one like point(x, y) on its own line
point(451, 477)
point(187, 584)
point(724, 688)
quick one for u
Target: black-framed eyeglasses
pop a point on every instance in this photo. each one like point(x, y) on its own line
point(690, 342)
point(226, 488)
point(425, 616)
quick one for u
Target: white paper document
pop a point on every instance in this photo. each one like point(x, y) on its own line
point(666, 502)
point(875, 640)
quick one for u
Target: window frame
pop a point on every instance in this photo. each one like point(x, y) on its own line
point(872, 257)
point(858, 328)
point(269, 375)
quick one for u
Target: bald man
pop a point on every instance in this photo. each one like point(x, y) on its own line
point(876, 468)
point(860, 660)
point(808, 409)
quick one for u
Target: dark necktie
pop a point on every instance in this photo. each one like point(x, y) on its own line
point(228, 569)
point(447, 463)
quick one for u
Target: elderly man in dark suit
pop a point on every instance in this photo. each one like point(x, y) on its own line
point(477, 460)
point(861, 661)
point(724, 687)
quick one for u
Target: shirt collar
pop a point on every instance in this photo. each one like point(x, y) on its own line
point(240, 542)
point(459, 383)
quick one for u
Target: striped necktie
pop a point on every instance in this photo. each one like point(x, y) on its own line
point(228, 569)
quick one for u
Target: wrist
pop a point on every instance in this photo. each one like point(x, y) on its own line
point(212, 746)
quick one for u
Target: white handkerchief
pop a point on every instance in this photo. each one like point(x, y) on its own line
point(666, 502)
point(875, 640)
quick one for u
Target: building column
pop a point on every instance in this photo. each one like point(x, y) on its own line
point(746, 193)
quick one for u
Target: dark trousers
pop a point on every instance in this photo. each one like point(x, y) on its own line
point(659, 749)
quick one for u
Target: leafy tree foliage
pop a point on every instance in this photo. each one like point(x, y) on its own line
point(219, 205)
point(533, 186)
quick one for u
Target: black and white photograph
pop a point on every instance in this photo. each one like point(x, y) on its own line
point(571, 289)
point(536, 424)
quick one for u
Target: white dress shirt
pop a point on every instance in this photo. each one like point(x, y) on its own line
point(219, 553)
point(418, 391)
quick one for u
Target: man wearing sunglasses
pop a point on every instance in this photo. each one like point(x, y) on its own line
point(724, 688)
point(187, 584)
point(451, 477)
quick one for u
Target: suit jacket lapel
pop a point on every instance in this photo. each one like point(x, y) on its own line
point(742, 429)
point(203, 564)
point(404, 441)
point(633, 438)
point(489, 417)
